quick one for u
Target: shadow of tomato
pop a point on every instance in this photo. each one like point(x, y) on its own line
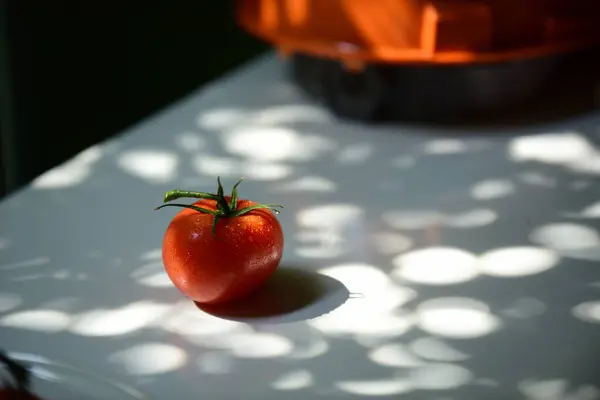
point(290, 295)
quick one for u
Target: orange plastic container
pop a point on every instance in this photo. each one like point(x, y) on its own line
point(434, 31)
point(358, 34)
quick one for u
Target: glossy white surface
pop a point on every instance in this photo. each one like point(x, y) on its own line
point(52, 381)
point(471, 256)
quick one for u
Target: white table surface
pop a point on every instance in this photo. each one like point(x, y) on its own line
point(473, 255)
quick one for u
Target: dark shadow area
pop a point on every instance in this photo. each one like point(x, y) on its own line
point(290, 295)
point(74, 73)
point(501, 96)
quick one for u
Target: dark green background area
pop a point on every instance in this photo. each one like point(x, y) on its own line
point(75, 72)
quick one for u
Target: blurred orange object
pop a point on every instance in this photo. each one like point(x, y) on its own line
point(360, 32)
point(428, 59)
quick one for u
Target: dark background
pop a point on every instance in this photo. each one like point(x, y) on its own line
point(75, 72)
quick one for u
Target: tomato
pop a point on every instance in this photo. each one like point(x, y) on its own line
point(219, 248)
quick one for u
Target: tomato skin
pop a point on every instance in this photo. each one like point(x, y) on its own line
point(233, 263)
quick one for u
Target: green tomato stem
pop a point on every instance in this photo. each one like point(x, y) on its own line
point(223, 209)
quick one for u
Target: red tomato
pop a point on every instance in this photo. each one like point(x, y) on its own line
point(216, 263)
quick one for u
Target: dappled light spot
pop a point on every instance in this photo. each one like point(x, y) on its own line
point(62, 177)
point(187, 320)
point(90, 155)
point(394, 355)
point(403, 162)
point(153, 166)
point(321, 251)
point(557, 389)
point(48, 321)
point(325, 243)
point(190, 141)
point(218, 166)
point(152, 275)
point(150, 359)
point(220, 118)
point(120, 321)
point(215, 363)
point(553, 148)
point(71, 173)
point(566, 237)
point(266, 171)
point(62, 274)
point(233, 168)
point(151, 255)
point(539, 390)
point(454, 317)
point(492, 189)
point(526, 307)
point(440, 376)
point(34, 262)
point(517, 261)
point(355, 154)
point(538, 179)
point(371, 325)
point(308, 184)
point(591, 211)
point(158, 279)
point(359, 278)
point(293, 380)
point(286, 114)
point(471, 219)
point(445, 146)
point(587, 165)
point(383, 299)
point(315, 348)
point(412, 220)
point(9, 301)
point(259, 345)
point(436, 266)
point(378, 387)
point(589, 312)
point(390, 242)
point(329, 216)
point(4, 244)
point(271, 144)
point(431, 348)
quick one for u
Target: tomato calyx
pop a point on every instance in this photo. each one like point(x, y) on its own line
point(223, 209)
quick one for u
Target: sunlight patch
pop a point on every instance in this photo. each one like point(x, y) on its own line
point(120, 321)
point(492, 189)
point(150, 359)
point(589, 312)
point(48, 321)
point(439, 317)
point(517, 261)
point(153, 166)
point(293, 380)
point(436, 266)
point(431, 348)
point(379, 387)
